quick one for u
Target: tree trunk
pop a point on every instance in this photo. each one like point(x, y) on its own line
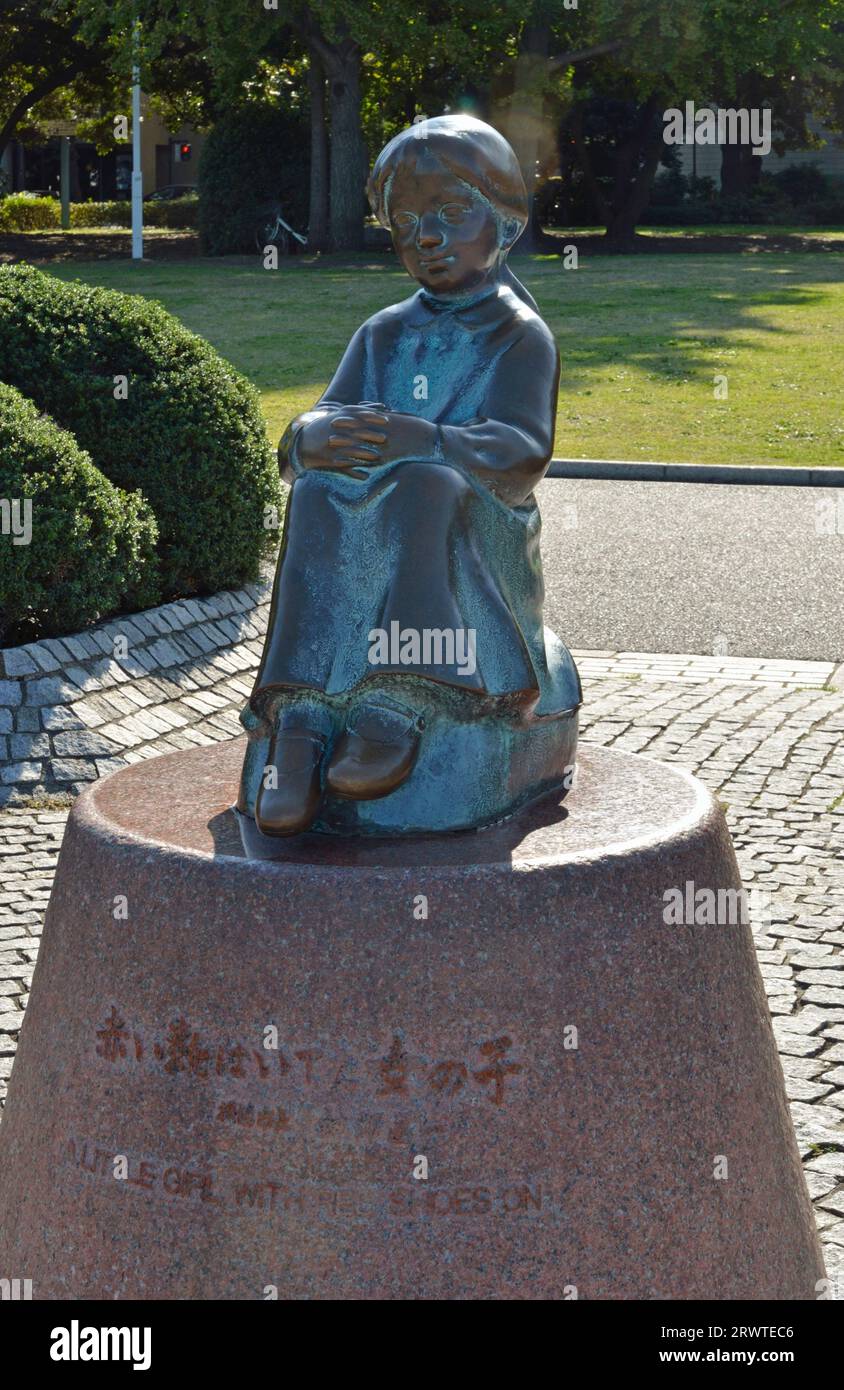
point(740, 169)
point(584, 159)
point(340, 59)
point(348, 153)
point(631, 193)
point(318, 239)
point(523, 124)
point(75, 183)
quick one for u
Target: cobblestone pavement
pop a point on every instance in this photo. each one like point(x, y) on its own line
point(767, 737)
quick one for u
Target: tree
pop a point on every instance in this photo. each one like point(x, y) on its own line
point(796, 70)
point(369, 66)
point(661, 54)
point(48, 64)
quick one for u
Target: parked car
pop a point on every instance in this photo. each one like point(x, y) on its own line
point(169, 192)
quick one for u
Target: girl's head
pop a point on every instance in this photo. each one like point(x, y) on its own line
point(452, 194)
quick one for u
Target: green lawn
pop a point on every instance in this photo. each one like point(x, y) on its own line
point(642, 339)
point(714, 229)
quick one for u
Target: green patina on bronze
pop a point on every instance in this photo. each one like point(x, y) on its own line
point(407, 683)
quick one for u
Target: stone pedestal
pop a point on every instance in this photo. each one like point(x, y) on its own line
point(594, 1093)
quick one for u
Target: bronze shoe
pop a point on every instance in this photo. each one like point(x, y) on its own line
point(292, 806)
point(376, 752)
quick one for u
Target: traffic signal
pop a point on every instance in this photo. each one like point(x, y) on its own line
point(183, 153)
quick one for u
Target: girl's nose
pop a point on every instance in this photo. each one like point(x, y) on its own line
point(429, 230)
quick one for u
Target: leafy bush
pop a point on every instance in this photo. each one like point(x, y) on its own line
point(765, 204)
point(20, 212)
point(117, 213)
point(180, 212)
point(801, 183)
point(189, 433)
point(176, 212)
point(689, 214)
point(828, 212)
point(254, 156)
point(92, 546)
point(800, 194)
point(670, 187)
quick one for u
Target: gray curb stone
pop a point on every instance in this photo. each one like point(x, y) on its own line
point(759, 475)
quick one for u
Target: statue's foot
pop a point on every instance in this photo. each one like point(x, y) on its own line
point(376, 752)
point(291, 806)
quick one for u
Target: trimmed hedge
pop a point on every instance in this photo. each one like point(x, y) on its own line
point(92, 546)
point(190, 433)
point(177, 213)
point(19, 213)
point(254, 156)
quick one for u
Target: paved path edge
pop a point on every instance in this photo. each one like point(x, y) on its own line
point(759, 475)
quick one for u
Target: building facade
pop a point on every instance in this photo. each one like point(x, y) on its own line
point(169, 159)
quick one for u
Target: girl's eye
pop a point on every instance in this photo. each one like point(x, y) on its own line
point(453, 212)
point(404, 219)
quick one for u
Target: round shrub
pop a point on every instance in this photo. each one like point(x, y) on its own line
point(21, 213)
point(189, 433)
point(74, 547)
point(176, 213)
point(254, 156)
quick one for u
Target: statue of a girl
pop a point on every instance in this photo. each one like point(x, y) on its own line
point(407, 683)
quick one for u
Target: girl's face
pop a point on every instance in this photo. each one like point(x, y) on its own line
point(445, 236)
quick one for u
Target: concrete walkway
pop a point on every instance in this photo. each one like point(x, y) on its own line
point(669, 567)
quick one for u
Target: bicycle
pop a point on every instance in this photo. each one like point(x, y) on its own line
point(272, 230)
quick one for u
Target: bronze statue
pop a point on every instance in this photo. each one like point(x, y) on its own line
point(407, 683)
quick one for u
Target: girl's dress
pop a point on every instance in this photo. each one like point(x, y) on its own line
point(447, 542)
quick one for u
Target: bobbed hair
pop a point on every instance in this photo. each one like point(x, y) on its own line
point(471, 150)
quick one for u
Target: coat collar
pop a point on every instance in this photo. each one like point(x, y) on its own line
point(483, 310)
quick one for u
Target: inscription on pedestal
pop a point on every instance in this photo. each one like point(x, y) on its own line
point(324, 1069)
point(270, 1196)
point(323, 1107)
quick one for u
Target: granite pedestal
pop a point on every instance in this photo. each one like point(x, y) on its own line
point(466, 1067)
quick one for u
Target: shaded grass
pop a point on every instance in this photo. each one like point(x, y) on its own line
point(642, 340)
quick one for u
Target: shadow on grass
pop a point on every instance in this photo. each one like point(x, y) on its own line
point(671, 317)
point(667, 316)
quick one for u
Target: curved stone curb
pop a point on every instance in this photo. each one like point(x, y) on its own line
point(757, 475)
point(72, 708)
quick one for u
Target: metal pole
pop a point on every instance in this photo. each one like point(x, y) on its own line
point(137, 171)
point(64, 146)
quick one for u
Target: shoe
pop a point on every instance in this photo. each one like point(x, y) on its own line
point(376, 752)
point(292, 806)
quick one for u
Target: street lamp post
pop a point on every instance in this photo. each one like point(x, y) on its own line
point(64, 180)
point(137, 171)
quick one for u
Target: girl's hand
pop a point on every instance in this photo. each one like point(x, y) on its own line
point(340, 439)
point(363, 434)
point(354, 438)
